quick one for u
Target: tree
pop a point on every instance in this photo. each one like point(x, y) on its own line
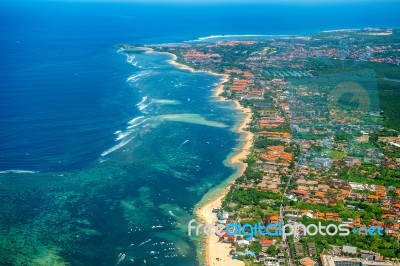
point(272, 250)
point(255, 246)
point(373, 137)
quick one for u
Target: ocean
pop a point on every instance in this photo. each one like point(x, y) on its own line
point(104, 152)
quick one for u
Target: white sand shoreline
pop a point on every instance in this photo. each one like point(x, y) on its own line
point(217, 253)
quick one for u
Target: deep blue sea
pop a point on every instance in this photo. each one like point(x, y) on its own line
point(104, 152)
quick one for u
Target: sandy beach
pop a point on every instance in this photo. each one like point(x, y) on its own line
point(219, 87)
point(248, 137)
point(179, 65)
point(173, 62)
point(217, 253)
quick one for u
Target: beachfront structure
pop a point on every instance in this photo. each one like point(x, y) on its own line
point(328, 260)
point(243, 243)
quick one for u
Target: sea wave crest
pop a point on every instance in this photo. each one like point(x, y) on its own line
point(14, 171)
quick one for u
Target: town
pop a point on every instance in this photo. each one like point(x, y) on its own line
point(325, 148)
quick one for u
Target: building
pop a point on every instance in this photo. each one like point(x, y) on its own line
point(328, 260)
point(370, 255)
point(307, 262)
point(243, 243)
point(349, 250)
point(266, 243)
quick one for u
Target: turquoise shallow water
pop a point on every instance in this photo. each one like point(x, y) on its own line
point(139, 196)
point(93, 165)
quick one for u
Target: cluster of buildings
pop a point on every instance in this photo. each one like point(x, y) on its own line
point(200, 57)
point(304, 155)
point(243, 86)
point(277, 155)
point(329, 260)
point(313, 119)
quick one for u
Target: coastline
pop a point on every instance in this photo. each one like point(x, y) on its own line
point(217, 253)
point(174, 63)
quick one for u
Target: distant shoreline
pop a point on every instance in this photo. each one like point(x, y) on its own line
point(217, 253)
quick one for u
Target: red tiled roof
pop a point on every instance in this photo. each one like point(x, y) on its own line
point(266, 242)
point(300, 192)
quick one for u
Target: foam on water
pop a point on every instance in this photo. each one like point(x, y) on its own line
point(137, 124)
point(144, 106)
point(116, 147)
point(139, 75)
point(135, 119)
point(123, 135)
point(14, 171)
point(142, 101)
point(130, 58)
point(236, 37)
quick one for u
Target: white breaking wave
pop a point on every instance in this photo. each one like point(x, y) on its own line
point(103, 160)
point(130, 58)
point(142, 101)
point(116, 147)
point(12, 171)
point(233, 36)
point(230, 36)
point(135, 119)
point(123, 135)
point(144, 106)
point(137, 124)
point(136, 77)
point(340, 30)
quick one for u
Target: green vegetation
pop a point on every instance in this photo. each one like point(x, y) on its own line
point(262, 143)
point(313, 80)
point(388, 90)
point(366, 211)
point(337, 154)
point(372, 174)
point(255, 246)
point(385, 245)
